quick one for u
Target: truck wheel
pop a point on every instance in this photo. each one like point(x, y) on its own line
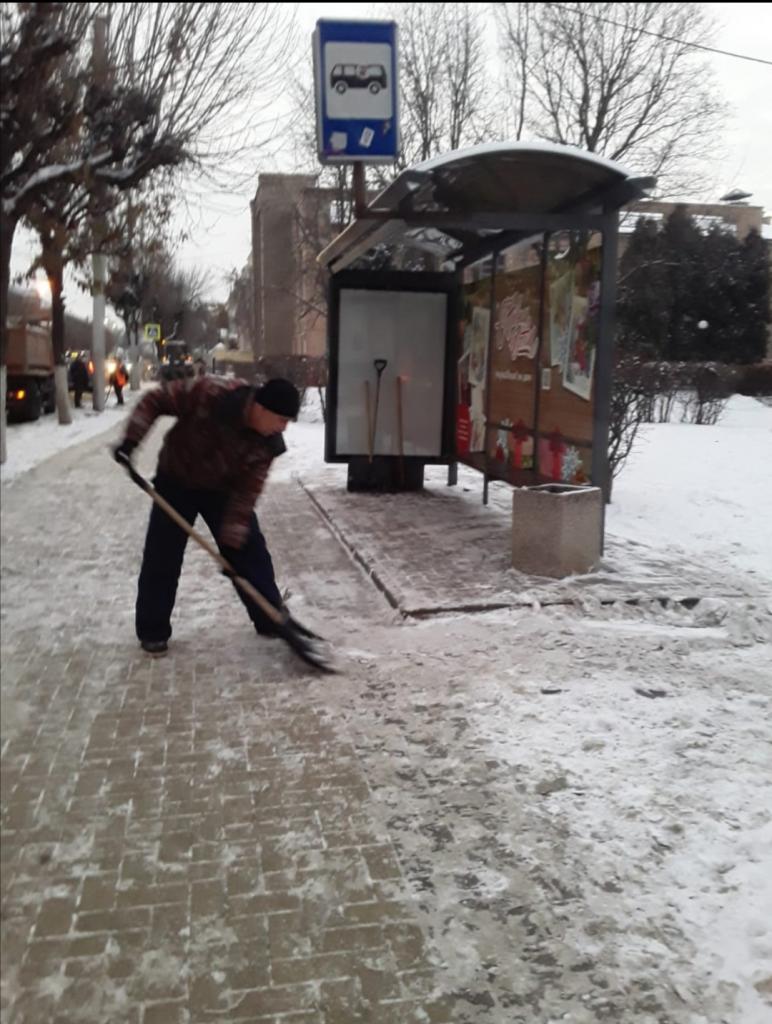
point(33, 405)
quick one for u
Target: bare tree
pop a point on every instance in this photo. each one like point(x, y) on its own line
point(444, 80)
point(631, 397)
point(57, 218)
point(620, 79)
point(217, 68)
point(189, 85)
point(164, 293)
point(515, 21)
point(63, 219)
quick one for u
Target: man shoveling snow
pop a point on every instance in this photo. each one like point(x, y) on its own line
point(214, 461)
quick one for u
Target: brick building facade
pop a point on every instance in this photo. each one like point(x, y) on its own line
point(292, 220)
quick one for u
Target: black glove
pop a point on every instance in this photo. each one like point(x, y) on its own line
point(231, 556)
point(122, 452)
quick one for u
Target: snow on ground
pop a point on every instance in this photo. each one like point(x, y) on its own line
point(705, 490)
point(29, 444)
point(557, 782)
point(601, 781)
point(643, 741)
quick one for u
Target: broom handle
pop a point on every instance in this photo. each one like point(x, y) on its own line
point(262, 603)
point(369, 421)
point(400, 432)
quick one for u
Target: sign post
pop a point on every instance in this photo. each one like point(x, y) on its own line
point(152, 332)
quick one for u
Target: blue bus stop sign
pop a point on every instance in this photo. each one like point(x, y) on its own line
point(355, 70)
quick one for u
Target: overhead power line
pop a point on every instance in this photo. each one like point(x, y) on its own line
point(659, 35)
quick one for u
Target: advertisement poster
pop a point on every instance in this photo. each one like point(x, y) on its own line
point(514, 371)
point(478, 346)
point(516, 330)
point(463, 429)
point(472, 370)
point(479, 329)
point(561, 297)
point(477, 416)
point(579, 364)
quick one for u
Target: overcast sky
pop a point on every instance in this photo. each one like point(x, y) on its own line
point(220, 231)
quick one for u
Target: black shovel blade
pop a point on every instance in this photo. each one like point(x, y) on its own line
point(303, 630)
point(306, 647)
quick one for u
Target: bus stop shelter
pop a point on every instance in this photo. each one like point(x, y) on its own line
point(471, 309)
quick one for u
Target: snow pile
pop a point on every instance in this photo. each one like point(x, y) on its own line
point(705, 490)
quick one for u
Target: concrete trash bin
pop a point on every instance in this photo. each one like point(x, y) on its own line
point(556, 529)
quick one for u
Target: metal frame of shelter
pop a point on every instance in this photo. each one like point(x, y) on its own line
point(445, 215)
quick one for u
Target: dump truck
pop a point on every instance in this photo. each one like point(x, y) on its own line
point(30, 372)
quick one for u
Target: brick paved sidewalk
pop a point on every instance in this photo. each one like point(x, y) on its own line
point(464, 825)
point(188, 839)
point(442, 550)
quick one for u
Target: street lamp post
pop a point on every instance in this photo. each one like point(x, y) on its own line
point(130, 310)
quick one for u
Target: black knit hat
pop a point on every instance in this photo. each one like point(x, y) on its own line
point(279, 396)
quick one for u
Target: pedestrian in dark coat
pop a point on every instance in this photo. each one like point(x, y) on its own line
point(79, 379)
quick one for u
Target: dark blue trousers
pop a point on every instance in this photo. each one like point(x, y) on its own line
point(165, 549)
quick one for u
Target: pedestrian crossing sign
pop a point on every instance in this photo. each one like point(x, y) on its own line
point(152, 332)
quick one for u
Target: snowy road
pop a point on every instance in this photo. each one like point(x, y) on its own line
point(552, 813)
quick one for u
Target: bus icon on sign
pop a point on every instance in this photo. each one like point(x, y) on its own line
point(358, 76)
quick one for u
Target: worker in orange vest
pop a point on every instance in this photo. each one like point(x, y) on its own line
point(119, 379)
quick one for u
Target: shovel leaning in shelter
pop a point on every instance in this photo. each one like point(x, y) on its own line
point(372, 422)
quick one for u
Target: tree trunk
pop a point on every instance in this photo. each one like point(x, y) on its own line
point(62, 394)
point(323, 404)
point(7, 229)
point(52, 261)
point(3, 391)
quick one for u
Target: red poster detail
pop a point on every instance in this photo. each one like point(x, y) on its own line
point(463, 429)
point(521, 434)
point(557, 448)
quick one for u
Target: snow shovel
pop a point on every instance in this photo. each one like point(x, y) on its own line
point(380, 366)
point(302, 641)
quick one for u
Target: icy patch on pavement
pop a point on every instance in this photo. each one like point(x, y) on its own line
point(53, 986)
